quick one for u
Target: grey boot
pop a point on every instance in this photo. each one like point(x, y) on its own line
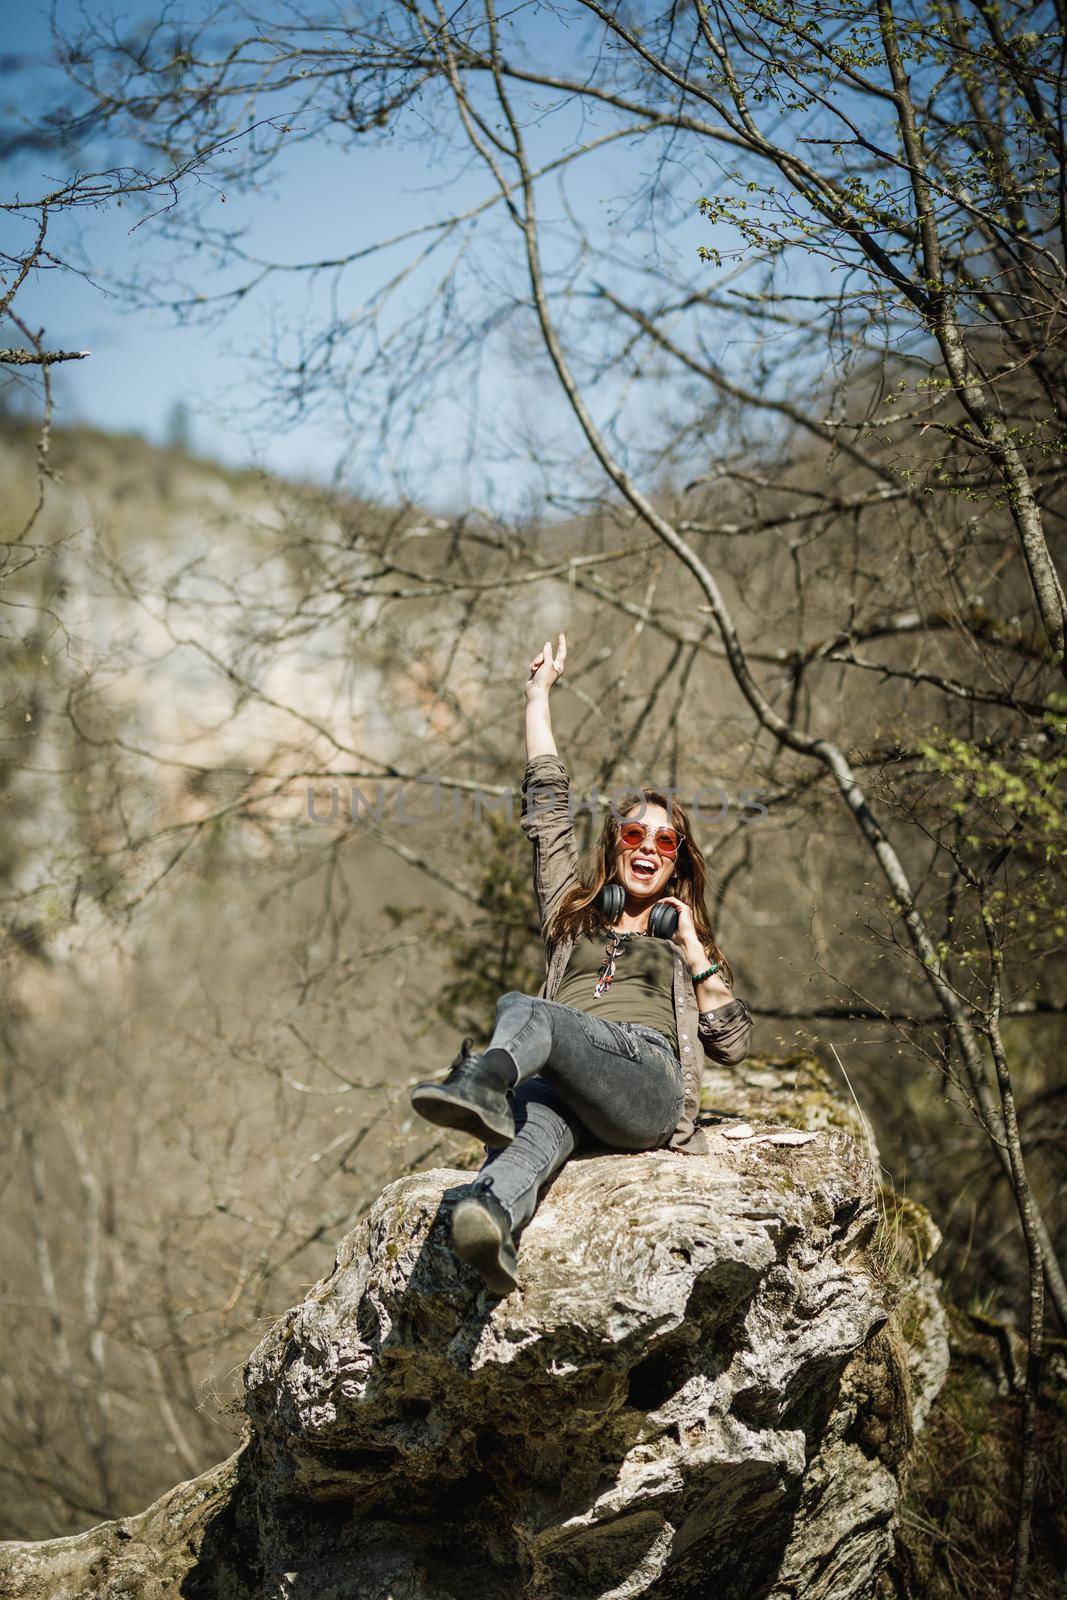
point(472, 1097)
point(482, 1235)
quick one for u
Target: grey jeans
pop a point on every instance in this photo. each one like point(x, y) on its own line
point(581, 1080)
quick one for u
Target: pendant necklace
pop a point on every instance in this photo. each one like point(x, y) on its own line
point(611, 953)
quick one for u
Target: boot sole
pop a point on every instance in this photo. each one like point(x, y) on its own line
point(438, 1105)
point(477, 1240)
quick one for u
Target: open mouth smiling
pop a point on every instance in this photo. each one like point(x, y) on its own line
point(644, 869)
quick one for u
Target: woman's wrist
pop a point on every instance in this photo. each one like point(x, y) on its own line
point(710, 987)
point(707, 971)
point(696, 958)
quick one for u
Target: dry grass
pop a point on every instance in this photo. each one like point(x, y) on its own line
point(958, 1504)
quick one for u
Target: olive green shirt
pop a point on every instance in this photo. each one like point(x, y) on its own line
point(641, 990)
point(723, 1034)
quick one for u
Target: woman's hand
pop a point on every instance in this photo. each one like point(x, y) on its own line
point(546, 668)
point(685, 936)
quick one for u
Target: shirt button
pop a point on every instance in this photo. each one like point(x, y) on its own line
point(688, 1049)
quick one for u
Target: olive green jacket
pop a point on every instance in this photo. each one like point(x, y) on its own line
point(723, 1034)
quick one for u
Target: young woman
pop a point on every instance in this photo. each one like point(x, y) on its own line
point(608, 1053)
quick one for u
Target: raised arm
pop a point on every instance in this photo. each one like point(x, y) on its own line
point(545, 670)
point(546, 814)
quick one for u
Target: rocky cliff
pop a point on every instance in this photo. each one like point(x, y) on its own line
point(708, 1383)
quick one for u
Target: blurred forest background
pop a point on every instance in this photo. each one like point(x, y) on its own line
point(796, 497)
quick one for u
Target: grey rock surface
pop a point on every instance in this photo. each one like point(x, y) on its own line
point(702, 1387)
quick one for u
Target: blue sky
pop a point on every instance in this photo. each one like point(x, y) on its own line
point(141, 363)
point(315, 201)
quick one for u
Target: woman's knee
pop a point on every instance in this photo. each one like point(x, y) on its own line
point(514, 997)
point(521, 1013)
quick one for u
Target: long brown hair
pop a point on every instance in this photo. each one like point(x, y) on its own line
point(578, 913)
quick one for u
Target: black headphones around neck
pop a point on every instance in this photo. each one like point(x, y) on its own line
point(662, 919)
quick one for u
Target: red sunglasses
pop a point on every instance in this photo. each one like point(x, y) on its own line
point(667, 840)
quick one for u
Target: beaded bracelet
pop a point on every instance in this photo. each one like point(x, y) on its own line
point(707, 973)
